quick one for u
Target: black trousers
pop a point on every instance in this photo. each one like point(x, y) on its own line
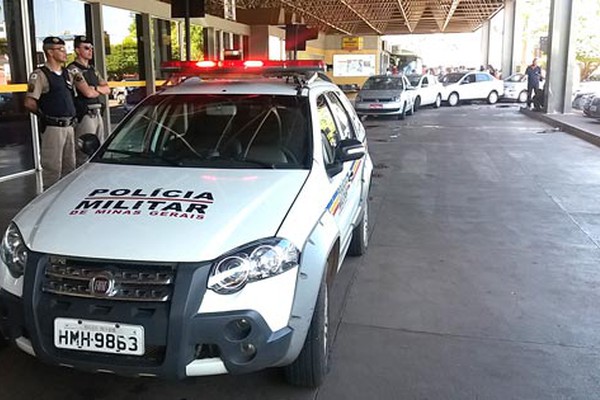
point(531, 92)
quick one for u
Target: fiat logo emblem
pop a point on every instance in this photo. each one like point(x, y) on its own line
point(103, 285)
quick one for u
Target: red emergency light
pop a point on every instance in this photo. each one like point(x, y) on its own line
point(227, 68)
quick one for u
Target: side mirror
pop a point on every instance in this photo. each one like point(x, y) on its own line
point(349, 150)
point(424, 85)
point(465, 82)
point(88, 143)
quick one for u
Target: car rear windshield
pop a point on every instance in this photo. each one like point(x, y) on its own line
point(213, 131)
point(383, 83)
point(452, 78)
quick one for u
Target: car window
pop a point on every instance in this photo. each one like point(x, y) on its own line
point(483, 78)
point(425, 81)
point(414, 80)
point(330, 136)
point(383, 83)
point(220, 131)
point(452, 78)
point(346, 129)
point(470, 78)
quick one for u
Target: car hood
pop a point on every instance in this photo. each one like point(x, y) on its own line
point(158, 213)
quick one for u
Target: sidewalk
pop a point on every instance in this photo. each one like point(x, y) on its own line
point(574, 123)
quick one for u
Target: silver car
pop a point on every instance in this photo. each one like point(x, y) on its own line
point(385, 95)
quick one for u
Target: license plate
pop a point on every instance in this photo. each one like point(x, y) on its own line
point(98, 336)
point(376, 105)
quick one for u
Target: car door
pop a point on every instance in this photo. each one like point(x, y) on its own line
point(408, 93)
point(335, 125)
point(426, 91)
point(484, 85)
point(468, 87)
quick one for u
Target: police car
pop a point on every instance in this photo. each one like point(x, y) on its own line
point(203, 236)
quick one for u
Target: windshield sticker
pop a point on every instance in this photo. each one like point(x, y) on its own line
point(170, 203)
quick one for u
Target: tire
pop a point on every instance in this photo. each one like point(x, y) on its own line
point(492, 97)
point(438, 101)
point(522, 97)
point(453, 99)
point(402, 115)
point(311, 366)
point(360, 234)
point(417, 104)
point(120, 98)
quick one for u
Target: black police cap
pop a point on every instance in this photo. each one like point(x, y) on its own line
point(82, 39)
point(53, 40)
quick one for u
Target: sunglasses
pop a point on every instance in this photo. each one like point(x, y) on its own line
point(63, 49)
point(87, 47)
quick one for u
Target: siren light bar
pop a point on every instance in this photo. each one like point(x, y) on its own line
point(237, 67)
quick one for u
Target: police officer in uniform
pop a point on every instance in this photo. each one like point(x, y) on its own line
point(89, 118)
point(50, 97)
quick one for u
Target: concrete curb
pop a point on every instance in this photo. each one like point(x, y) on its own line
point(564, 126)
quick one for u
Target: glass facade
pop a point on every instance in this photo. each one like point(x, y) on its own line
point(16, 142)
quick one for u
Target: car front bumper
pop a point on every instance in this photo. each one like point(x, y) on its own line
point(383, 108)
point(179, 342)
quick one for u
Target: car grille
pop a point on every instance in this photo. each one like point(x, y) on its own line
point(109, 280)
point(385, 100)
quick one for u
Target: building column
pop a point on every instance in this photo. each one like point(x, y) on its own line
point(508, 41)
point(148, 63)
point(97, 31)
point(485, 43)
point(559, 73)
point(210, 48)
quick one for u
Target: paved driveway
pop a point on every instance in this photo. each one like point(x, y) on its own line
point(481, 281)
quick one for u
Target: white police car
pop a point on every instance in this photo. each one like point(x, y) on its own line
point(202, 237)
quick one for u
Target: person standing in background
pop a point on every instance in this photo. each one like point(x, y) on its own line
point(88, 106)
point(534, 76)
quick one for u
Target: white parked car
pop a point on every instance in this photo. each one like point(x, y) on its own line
point(203, 237)
point(473, 85)
point(385, 95)
point(515, 88)
point(428, 90)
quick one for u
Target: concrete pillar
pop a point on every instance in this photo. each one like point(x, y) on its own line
point(210, 48)
point(559, 74)
point(508, 41)
point(97, 30)
point(485, 43)
point(146, 38)
point(259, 42)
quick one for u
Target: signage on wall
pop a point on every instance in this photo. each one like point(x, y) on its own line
point(229, 9)
point(352, 43)
point(353, 65)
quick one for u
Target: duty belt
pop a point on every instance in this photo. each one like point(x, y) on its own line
point(59, 121)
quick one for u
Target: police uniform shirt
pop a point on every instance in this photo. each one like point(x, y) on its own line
point(79, 75)
point(38, 83)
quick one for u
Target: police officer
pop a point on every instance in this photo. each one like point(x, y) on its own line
point(89, 118)
point(50, 97)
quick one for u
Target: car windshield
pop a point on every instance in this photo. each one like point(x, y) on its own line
point(383, 83)
point(452, 78)
point(213, 131)
point(414, 79)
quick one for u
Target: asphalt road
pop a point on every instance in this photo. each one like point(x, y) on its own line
point(481, 279)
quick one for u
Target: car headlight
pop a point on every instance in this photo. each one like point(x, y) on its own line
point(396, 98)
point(13, 251)
point(358, 99)
point(255, 261)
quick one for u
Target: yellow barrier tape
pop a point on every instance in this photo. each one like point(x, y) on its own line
point(22, 87)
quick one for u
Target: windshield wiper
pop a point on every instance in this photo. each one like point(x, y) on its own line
point(150, 156)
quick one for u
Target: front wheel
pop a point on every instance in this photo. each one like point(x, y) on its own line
point(453, 99)
point(312, 365)
point(417, 104)
point(492, 97)
point(438, 101)
point(360, 234)
point(522, 96)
